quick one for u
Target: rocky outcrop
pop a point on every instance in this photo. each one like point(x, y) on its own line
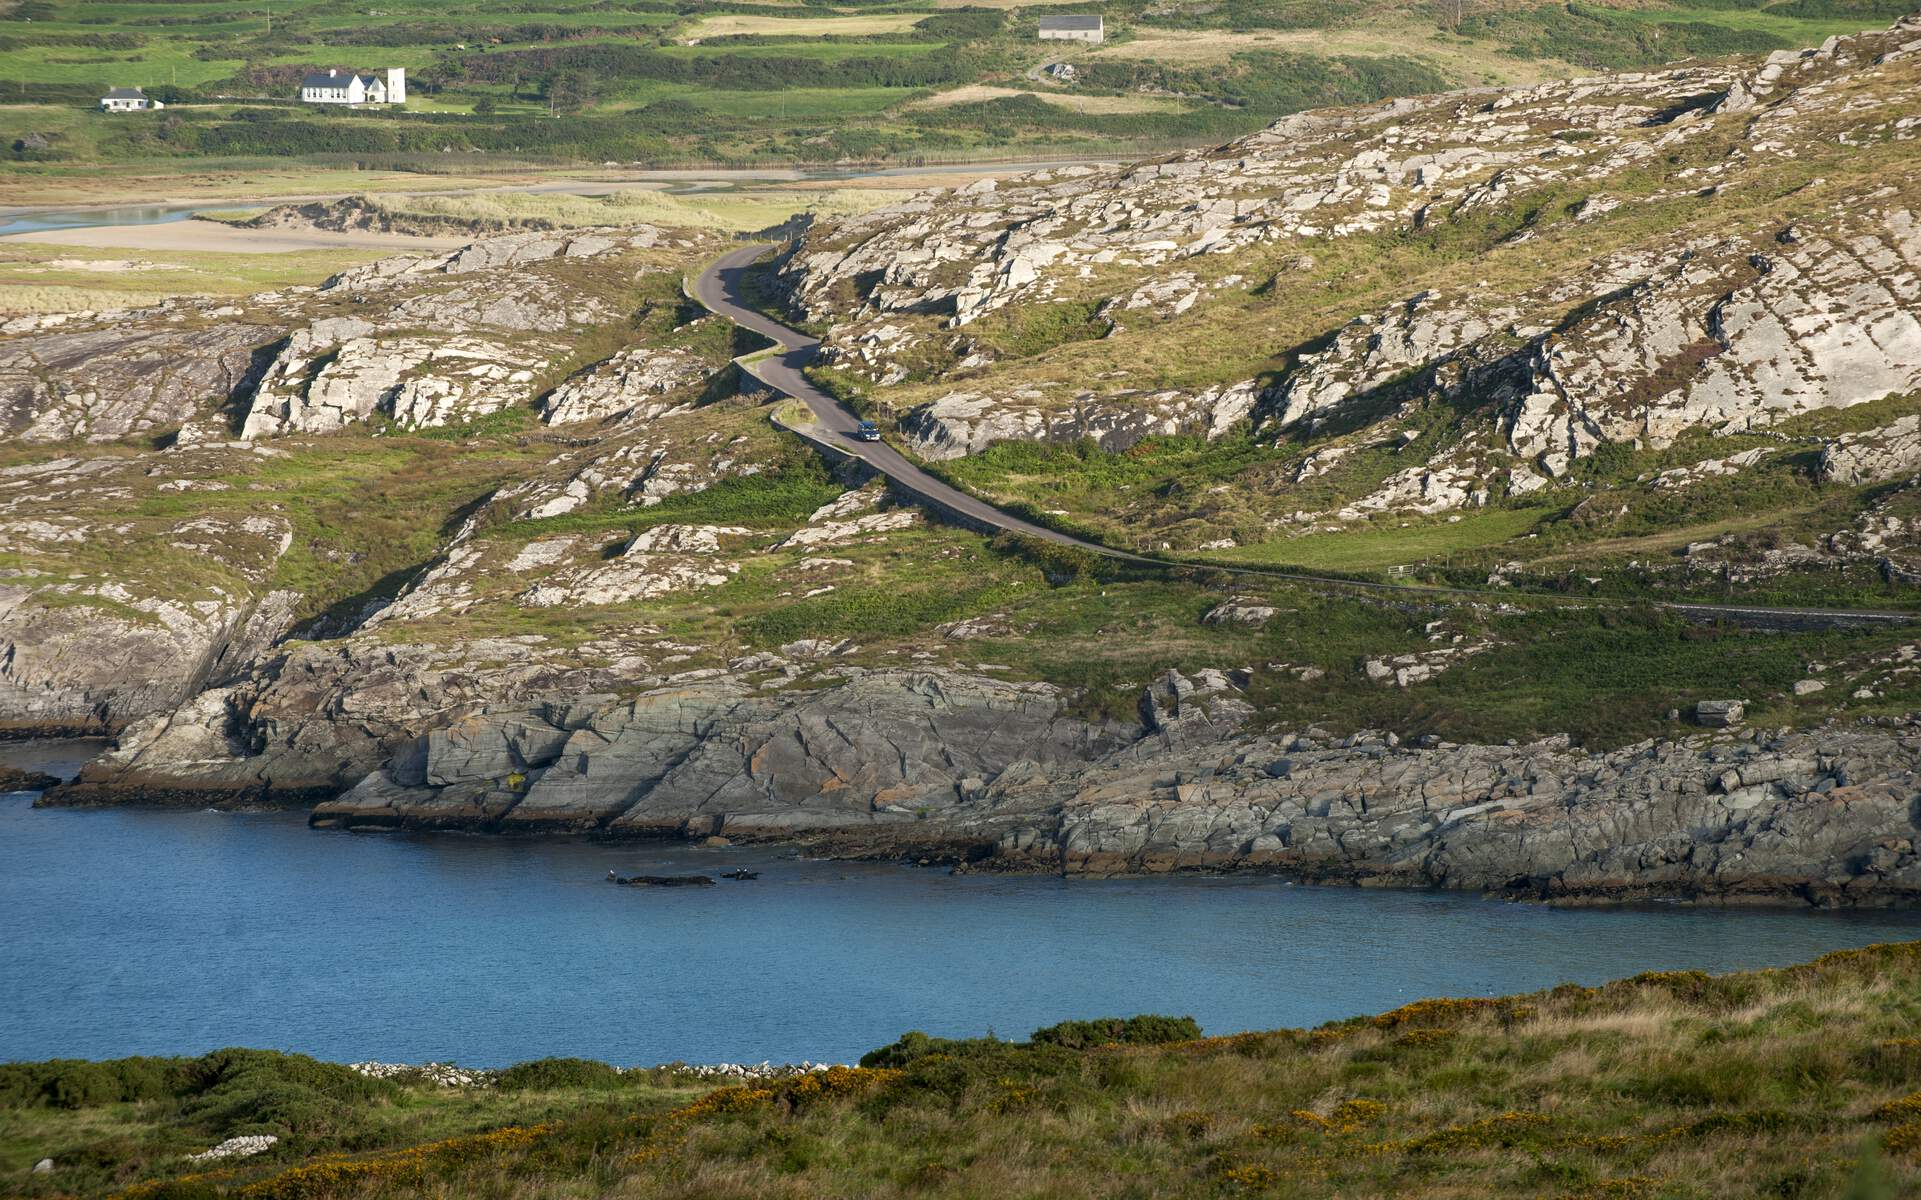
point(321, 382)
point(963, 423)
point(891, 752)
point(1726, 328)
point(883, 749)
point(86, 653)
point(1373, 350)
point(310, 719)
point(79, 662)
point(667, 558)
point(125, 378)
point(1825, 816)
point(1875, 456)
point(630, 383)
point(13, 779)
point(1735, 336)
point(496, 253)
point(442, 339)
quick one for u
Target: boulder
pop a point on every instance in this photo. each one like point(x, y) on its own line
point(1719, 714)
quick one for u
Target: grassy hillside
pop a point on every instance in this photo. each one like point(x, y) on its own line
point(730, 80)
point(1788, 1083)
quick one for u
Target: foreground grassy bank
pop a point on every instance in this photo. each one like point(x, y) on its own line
point(1799, 1082)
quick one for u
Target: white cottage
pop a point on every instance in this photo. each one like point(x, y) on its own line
point(334, 86)
point(127, 100)
point(1092, 30)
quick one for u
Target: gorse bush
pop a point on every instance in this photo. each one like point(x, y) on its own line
point(1145, 1030)
point(223, 1093)
point(553, 1074)
point(73, 1083)
point(263, 1091)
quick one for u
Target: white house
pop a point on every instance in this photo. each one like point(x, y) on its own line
point(127, 100)
point(1073, 29)
point(334, 86)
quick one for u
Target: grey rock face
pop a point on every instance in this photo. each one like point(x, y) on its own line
point(1375, 349)
point(318, 385)
point(1819, 323)
point(86, 653)
point(969, 768)
point(1875, 456)
point(1825, 817)
point(973, 768)
point(123, 379)
point(892, 749)
point(628, 383)
point(964, 423)
point(1719, 714)
point(436, 340)
point(75, 668)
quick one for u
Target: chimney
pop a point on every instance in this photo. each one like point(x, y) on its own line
point(332, 71)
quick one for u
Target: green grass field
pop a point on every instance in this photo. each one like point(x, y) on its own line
point(726, 81)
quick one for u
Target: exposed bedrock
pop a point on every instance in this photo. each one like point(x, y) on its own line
point(999, 775)
point(1827, 816)
point(884, 750)
point(79, 670)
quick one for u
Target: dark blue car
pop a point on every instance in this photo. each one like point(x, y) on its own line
point(867, 431)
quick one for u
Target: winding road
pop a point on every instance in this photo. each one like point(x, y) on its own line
point(721, 290)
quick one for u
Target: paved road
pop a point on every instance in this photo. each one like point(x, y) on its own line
point(719, 288)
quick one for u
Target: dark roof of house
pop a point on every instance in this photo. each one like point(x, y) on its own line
point(322, 79)
point(1078, 24)
point(126, 94)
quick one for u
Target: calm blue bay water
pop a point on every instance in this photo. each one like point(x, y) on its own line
point(131, 932)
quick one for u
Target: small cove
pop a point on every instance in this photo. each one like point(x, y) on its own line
point(134, 931)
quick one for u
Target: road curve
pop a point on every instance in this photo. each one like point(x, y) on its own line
point(721, 290)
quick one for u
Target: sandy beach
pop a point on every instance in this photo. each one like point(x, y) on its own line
point(212, 236)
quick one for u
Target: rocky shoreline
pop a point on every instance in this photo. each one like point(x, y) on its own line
point(985, 775)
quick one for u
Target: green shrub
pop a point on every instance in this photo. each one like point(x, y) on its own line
point(264, 1091)
point(181, 1189)
point(1060, 565)
point(74, 1083)
point(553, 1074)
point(1144, 1030)
point(1035, 329)
point(912, 1046)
